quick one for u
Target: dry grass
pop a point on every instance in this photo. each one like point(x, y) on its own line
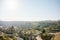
point(56, 37)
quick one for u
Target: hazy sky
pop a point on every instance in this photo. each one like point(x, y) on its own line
point(29, 10)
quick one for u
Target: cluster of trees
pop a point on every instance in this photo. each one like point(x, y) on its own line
point(28, 34)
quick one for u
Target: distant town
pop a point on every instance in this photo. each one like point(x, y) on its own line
point(28, 30)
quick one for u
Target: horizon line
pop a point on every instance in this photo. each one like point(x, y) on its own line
point(30, 20)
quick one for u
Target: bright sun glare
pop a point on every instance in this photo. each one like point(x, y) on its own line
point(29, 10)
